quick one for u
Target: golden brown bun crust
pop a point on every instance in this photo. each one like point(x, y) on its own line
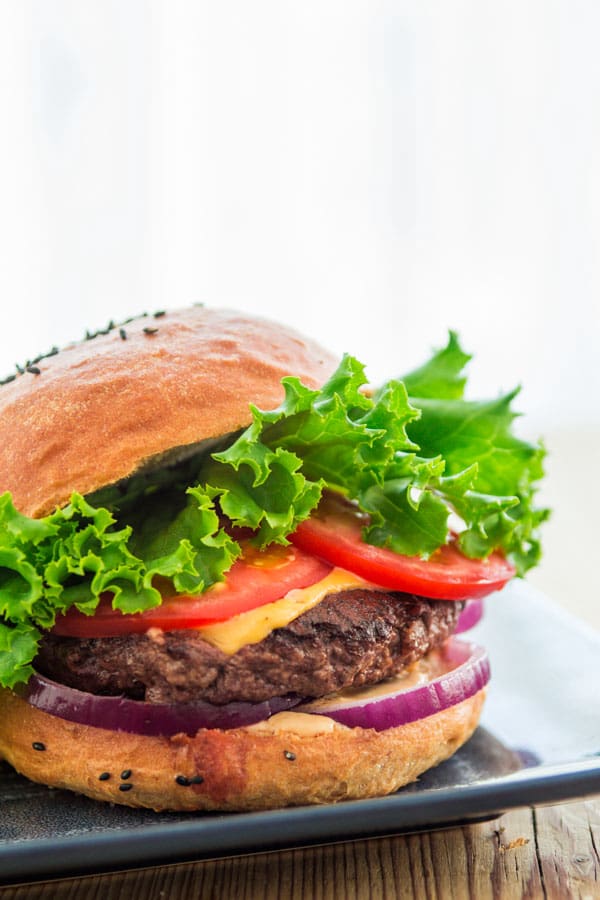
point(101, 408)
point(242, 769)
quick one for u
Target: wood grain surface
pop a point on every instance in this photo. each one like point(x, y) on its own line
point(550, 852)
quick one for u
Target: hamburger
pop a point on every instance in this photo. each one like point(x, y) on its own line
point(231, 571)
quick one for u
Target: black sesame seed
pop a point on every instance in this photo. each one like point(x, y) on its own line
point(34, 370)
point(104, 776)
point(8, 379)
point(197, 779)
point(289, 755)
point(126, 787)
point(182, 780)
point(37, 745)
point(150, 330)
point(125, 774)
point(122, 334)
point(20, 369)
point(159, 314)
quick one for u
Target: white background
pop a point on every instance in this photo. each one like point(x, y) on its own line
point(372, 172)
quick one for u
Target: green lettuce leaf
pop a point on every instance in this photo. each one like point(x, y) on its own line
point(18, 647)
point(441, 377)
point(490, 474)
point(337, 437)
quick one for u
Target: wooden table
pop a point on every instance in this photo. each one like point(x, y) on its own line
point(549, 852)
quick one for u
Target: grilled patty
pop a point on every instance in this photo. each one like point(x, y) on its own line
point(349, 639)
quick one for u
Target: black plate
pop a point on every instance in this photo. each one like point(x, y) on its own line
point(539, 743)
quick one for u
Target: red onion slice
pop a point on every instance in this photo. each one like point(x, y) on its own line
point(138, 717)
point(460, 670)
point(470, 616)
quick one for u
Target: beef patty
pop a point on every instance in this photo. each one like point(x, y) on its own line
point(351, 638)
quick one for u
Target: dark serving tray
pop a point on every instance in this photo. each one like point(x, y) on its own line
point(539, 743)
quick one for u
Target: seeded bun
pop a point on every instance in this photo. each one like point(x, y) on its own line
point(259, 767)
point(104, 408)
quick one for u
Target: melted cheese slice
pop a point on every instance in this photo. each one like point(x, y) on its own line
point(253, 626)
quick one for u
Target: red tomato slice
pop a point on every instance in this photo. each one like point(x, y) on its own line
point(334, 534)
point(257, 578)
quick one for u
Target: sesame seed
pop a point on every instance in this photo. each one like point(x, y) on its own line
point(150, 330)
point(37, 745)
point(34, 370)
point(104, 776)
point(197, 779)
point(289, 755)
point(126, 787)
point(122, 334)
point(182, 780)
point(159, 314)
point(125, 774)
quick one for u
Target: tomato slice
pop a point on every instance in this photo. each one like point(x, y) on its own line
point(334, 534)
point(258, 577)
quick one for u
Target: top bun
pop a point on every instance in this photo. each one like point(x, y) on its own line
point(100, 410)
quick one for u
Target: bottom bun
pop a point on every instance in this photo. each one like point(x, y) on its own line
point(289, 760)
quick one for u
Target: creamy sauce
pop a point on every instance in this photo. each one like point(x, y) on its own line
point(302, 724)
